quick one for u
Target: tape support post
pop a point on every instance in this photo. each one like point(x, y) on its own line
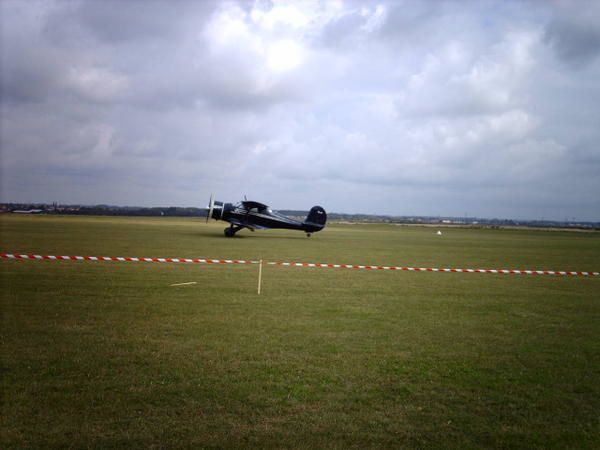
point(295, 264)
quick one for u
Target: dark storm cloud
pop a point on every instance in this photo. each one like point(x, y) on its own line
point(116, 21)
point(574, 33)
point(382, 107)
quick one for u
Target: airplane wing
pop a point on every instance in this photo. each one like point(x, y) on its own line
point(253, 226)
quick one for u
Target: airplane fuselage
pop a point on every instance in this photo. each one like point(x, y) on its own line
point(255, 215)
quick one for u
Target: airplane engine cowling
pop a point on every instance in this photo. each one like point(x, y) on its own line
point(217, 210)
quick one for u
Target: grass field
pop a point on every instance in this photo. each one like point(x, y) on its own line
point(106, 354)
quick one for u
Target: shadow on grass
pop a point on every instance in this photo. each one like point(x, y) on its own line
point(213, 234)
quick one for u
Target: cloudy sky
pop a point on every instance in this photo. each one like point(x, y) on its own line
point(485, 108)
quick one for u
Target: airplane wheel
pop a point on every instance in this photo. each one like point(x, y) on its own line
point(229, 232)
point(308, 235)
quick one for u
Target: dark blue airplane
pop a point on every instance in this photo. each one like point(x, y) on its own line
point(258, 216)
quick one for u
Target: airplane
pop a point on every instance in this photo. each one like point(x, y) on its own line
point(258, 216)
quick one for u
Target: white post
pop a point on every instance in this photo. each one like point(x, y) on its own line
point(259, 275)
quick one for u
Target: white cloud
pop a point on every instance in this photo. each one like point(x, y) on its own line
point(375, 18)
point(284, 55)
point(228, 28)
point(279, 15)
point(97, 84)
point(495, 78)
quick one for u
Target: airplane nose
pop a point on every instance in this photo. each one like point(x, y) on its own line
point(217, 211)
point(214, 209)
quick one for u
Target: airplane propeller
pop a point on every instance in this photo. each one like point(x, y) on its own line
point(211, 206)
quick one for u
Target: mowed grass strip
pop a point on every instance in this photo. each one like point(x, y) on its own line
point(343, 244)
point(109, 354)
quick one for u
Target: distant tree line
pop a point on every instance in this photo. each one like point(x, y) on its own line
point(170, 211)
point(188, 211)
point(103, 210)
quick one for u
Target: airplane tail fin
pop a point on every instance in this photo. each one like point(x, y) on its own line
point(316, 219)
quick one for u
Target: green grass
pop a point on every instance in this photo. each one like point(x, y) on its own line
point(109, 355)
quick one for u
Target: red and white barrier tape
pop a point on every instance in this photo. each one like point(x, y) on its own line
point(432, 269)
point(296, 264)
point(127, 259)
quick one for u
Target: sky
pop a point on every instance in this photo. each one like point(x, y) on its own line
point(452, 108)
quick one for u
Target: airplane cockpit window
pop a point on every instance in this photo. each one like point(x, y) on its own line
point(254, 207)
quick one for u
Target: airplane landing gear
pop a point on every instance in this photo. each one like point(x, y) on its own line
point(230, 231)
point(308, 234)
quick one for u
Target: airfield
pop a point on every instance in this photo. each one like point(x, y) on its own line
point(110, 354)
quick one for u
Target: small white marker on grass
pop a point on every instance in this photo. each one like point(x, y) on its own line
point(183, 284)
point(259, 275)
